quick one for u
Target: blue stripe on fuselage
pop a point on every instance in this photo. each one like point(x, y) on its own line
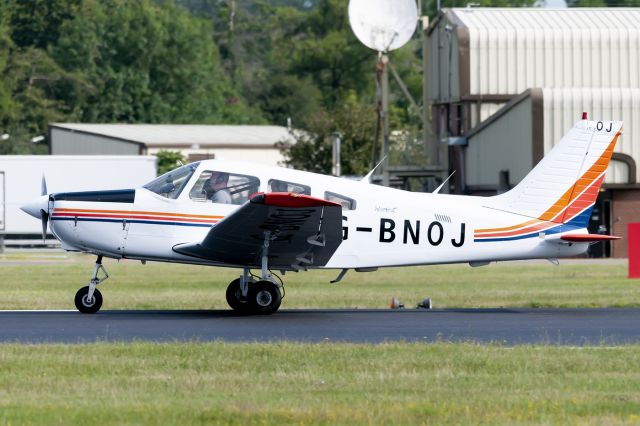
point(147, 222)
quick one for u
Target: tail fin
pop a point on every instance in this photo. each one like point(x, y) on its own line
point(564, 185)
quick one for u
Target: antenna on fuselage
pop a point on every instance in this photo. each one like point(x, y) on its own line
point(435, 191)
point(368, 175)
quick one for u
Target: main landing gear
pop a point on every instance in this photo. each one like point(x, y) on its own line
point(89, 299)
point(249, 295)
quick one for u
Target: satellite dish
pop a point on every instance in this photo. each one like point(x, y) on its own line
point(383, 25)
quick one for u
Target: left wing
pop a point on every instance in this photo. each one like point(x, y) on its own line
point(298, 230)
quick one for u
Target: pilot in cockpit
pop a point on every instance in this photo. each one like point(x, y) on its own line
point(215, 188)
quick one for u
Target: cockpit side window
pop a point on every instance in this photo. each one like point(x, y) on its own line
point(223, 187)
point(346, 202)
point(171, 184)
point(276, 185)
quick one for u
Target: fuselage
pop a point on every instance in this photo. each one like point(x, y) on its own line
point(382, 226)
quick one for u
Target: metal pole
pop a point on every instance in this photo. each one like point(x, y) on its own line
point(384, 59)
point(430, 142)
point(337, 169)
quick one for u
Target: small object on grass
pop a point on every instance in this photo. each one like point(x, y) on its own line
point(396, 303)
point(425, 304)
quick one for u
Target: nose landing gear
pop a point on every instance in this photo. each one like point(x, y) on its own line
point(88, 299)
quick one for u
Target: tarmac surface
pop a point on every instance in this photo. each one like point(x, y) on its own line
point(575, 327)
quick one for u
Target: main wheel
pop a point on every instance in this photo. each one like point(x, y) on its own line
point(234, 296)
point(264, 297)
point(85, 305)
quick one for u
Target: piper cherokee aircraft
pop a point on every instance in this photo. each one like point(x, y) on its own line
point(248, 216)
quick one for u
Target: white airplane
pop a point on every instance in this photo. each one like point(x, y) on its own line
point(249, 216)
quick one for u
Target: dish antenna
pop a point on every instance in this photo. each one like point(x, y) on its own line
point(384, 25)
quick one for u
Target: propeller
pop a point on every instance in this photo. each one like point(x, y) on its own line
point(39, 208)
point(43, 186)
point(44, 214)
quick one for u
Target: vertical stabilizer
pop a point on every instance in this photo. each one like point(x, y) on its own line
point(564, 185)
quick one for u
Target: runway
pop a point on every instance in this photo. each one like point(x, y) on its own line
point(504, 326)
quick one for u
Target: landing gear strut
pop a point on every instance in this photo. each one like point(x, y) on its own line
point(89, 299)
point(246, 295)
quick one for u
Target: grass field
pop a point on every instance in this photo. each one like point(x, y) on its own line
point(327, 383)
point(49, 281)
point(285, 383)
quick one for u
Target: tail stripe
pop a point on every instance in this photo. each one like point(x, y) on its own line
point(586, 180)
point(572, 208)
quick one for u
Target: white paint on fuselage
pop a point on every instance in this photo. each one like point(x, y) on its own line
point(361, 248)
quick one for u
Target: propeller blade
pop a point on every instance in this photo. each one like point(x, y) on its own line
point(44, 217)
point(43, 187)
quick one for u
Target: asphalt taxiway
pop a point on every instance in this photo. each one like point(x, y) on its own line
point(505, 326)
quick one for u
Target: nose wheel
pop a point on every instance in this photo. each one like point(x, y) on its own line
point(88, 299)
point(88, 305)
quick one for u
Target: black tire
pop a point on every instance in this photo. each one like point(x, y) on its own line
point(85, 306)
point(234, 296)
point(264, 297)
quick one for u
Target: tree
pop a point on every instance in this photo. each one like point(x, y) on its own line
point(312, 150)
point(36, 23)
point(169, 160)
point(144, 63)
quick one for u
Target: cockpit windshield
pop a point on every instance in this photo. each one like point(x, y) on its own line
point(170, 184)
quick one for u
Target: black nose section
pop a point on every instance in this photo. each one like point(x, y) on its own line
point(113, 196)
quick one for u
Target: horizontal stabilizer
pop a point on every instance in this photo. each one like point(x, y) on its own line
point(588, 238)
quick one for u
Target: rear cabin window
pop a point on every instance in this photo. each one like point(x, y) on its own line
point(223, 187)
point(346, 202)
point(276, 185)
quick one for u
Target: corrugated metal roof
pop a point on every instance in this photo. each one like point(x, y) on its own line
point(512, 49)
point(185, 134)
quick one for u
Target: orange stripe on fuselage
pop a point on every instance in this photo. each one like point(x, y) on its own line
point(128, 216)
point(134, 212)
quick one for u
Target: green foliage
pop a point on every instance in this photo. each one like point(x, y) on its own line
point(169, 160)
point(312, 151)
point(146, 64)
point(36, 23)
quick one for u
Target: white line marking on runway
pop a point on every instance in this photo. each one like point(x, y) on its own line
point(37, 310)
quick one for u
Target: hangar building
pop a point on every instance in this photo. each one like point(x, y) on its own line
point(196, 142)
point(507, 83)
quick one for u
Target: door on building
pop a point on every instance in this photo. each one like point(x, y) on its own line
point(600, 223)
